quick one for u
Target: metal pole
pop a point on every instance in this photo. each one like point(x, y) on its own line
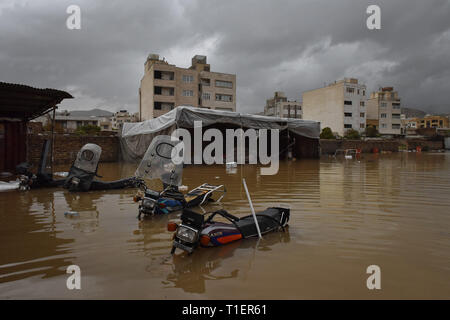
point(251, 207)
point(53, 137)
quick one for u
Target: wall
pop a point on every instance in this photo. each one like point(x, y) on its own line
point(12, 144)
point(330, 146)
point(67, 147)
point(325, 105)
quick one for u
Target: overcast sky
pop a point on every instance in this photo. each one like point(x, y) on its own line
point(275, 45)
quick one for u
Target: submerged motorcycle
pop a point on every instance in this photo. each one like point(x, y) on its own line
point(198, 230)
point(158, 163)
point(43, 178)
point(84, 170)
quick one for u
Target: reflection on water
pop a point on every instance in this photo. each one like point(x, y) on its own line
point(190, 272)
point(387, 209)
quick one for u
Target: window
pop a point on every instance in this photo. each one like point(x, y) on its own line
point(383, 125)
point(395, 126)
point(383, 115)
point(362, 114)
point(224, 97)
point(157, 105)
point(396, 105)
point(347, 126)
point(361, 104)
point(364, 92)
point(206, 96)
point(347, 102)
point(225, 84)
point(350, 90)
point(188, 78)
point(164, 75)
point(358, 91)
point(188, 93)
point(361, 125)
point(347, 114)
point(205, 82)
point(383, 104)
point(395, 116)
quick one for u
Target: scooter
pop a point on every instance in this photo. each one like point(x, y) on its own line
point(171, 199)
point(84, 170)
point(159, 163)
point(43, 178)
point(202, 230)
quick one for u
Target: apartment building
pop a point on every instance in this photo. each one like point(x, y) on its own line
point(340, 105)
point(166, 86)
point(280, 106)
point(385, 109)
point(120, 117)
point(431, 121)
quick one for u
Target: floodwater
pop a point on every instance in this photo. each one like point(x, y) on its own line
point(390, 210)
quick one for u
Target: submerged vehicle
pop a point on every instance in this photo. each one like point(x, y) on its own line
point(158, 163)
point(43, 178)
point(196, 230)
point(84, 170)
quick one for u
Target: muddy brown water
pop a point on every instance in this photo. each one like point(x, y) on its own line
point(390, 210)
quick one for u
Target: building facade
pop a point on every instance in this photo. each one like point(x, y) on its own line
point(120, 117)
point(430, 121)
point(165, 86)
point(340, 106)
point(384, 107)
point(280, 106)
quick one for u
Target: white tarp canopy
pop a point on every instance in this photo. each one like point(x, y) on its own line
point(136, 137)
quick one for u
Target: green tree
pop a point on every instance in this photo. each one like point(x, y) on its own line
point(88, 129)
point(327, 133)
point(352, 134)
point(371, 131)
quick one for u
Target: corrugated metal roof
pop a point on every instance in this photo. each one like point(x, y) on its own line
point(24, 102)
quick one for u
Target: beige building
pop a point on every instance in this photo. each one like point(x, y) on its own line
point(432, 121)
point(121, 117)
point(340, 106)
point(280, 106)
point(166, 86)
point(384, 106)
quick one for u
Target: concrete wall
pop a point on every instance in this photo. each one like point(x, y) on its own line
point(330, 146)
point(325, 105)
point(67, 147)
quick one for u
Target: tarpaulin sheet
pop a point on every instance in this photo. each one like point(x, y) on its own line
point(136, 137)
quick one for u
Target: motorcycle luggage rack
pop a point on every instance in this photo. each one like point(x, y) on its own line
point(210, 189)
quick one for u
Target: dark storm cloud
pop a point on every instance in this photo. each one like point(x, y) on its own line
point(291, 46)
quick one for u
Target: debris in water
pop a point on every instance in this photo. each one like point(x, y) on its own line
point(182, 188)
point(231, 164)
point(61, 174)
point(71, 214)
point(8, 186)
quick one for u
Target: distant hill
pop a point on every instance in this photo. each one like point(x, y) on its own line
point(413, 113)
point(93, 112)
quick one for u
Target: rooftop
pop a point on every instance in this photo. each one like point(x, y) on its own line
point(22, 102)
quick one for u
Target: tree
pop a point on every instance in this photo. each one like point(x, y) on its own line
point(352, 134)
point(327, 133)
point(88, 129)
point(58, 127)
point(371, 131)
